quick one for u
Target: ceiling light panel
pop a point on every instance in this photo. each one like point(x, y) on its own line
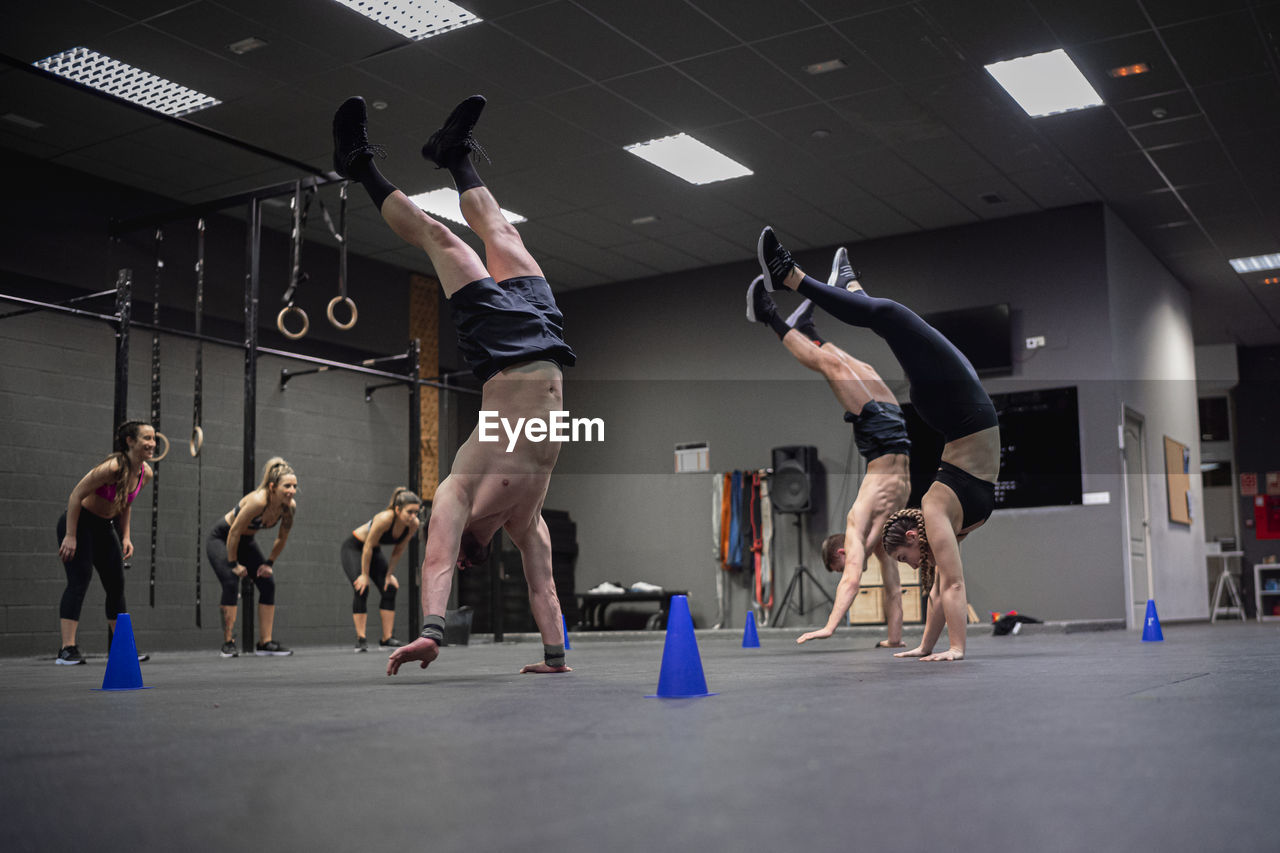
point(443, 204)
point(414, 19)
point(687, 158)
point(1257, 263)
point(1045, 84)
point(92, 69)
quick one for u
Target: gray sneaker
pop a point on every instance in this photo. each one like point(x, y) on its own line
point(362, 645)
point(272, 649)
point(229, 650)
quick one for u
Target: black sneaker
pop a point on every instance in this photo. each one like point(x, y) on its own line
point(802, 317)
point(760, 306)
point(842, 272)
point(69, 656)
point(390, 643)
point(453, 140)
point(362, 645)
point(351, 136)
point(229, 650)
point(272, 648)
point(775, 261)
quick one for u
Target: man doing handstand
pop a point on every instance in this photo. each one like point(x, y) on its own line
point(512, 335)
point(881, 436)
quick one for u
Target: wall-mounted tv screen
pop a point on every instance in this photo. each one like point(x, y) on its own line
point(1039, 449)
point(983, 334)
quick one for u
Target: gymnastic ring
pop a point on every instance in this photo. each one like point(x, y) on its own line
point(197, 440)
point(161, 437)
point(285, 312)
point(338, 300)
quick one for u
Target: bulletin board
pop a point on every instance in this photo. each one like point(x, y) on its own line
point(1177, 473)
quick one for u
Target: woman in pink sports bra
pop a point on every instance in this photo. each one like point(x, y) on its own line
point(94, 531)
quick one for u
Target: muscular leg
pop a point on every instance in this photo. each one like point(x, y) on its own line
point(456, 264)
point(504, 252)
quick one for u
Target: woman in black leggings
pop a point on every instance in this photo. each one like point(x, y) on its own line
point(234, 555)
point(363, 561)
point(948, 396)
point(94, 531)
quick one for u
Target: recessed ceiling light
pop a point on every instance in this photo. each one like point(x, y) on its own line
point(644, 220)
point(1257, 263)
point(687, 158)
point(1045, 84)
point(92, 69)
point(443, 203)
point(820, 133)
point(826, 67)
point(415, 19)
point(240, 48)
point(1130, 70)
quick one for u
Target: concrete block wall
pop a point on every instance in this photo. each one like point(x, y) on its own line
point(56, 385)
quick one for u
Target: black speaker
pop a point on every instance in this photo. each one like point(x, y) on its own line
point(791, 487)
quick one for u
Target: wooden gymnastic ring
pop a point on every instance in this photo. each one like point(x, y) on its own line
point(161, 437)
point(285, 312)
point(338, 300)
point(197, 441)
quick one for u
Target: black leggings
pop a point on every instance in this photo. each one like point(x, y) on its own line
point(97, 544)
point(215, 546)
point(944, 386)
point(352, 551)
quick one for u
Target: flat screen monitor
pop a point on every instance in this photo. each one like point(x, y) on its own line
point(1039, 449)
point(983, 334)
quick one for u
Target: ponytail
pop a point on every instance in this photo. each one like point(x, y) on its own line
point(275, 469)
point(401, 498)
point(124, 465)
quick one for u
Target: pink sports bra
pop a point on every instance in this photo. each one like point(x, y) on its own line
point(108, 492)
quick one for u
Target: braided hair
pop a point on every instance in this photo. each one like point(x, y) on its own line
point(120, 453)
point(895, 536)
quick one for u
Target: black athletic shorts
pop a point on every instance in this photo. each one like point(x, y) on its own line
point(508, 322)
point(879, 429)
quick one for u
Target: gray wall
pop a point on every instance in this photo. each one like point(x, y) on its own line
point(1155, 370)
point(672, 359)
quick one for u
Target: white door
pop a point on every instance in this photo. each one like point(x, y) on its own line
point(1137, 525)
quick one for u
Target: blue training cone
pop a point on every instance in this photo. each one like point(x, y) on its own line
point(1151, 625)
point(123, 671)
point(565, 625)
point(750, 640)
point(681, 676)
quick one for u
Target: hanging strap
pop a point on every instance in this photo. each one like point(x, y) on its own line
point(197, 412)
point(341, 236)
point(155, 413)
point(299, 205)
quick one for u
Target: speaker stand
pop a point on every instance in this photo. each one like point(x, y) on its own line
point(798, 576)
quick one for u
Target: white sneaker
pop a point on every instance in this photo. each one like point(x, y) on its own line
point(606, 588)
point(641, 586)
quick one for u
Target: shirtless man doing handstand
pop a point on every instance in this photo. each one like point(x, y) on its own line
point(512, 336)
point(881, 436)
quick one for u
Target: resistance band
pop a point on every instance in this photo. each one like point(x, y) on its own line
point(197, 414)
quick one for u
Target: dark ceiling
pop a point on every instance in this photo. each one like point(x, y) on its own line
point(912, 135)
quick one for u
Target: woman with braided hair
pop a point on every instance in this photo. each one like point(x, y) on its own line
point(94, 530)
point(363, 562)
point(234, 555)
point(949, 398)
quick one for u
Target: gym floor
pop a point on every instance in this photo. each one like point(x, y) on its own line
point(1050, 740)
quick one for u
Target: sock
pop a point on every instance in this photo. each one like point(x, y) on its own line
point(364, 171)
point(810, 331)
point(779, 325)
point(464, 174)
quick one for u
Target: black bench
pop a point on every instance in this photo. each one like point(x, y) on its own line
point(593, 605)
